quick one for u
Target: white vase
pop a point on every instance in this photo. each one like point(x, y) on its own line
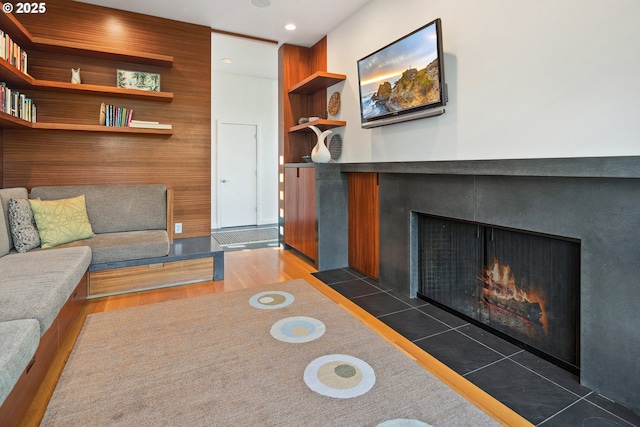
point(320, 153)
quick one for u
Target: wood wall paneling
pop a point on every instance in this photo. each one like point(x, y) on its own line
point(318, 62)
point(291, 203)
point(364, 221)
point(309, 243)
point(293, 66)
point(318, 56)
point(181, 160)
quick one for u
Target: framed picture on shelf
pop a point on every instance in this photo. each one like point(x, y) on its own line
point(139, 80)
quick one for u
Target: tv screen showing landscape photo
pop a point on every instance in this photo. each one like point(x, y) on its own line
point(404, 76)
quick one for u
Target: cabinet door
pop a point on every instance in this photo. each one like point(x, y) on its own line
point(300, 210)
point(307, 207)
point(363, 223)
point(291, 213)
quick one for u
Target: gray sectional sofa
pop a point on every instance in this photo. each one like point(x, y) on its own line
point(129, 221)
point(42, 291)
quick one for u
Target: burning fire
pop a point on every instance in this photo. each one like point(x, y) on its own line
point(501, 291)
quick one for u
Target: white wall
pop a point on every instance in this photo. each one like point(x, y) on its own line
point(248, 100)
point(527, 79)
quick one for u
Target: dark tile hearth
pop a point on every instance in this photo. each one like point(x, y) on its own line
point(529, 394)
point(380, 303)
point(541, 392)
point(356, 288)
point(414, 324)
point(460, 353)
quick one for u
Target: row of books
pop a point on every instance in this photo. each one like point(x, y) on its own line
point(17, 104)
point(12, 52)
point(110, 115)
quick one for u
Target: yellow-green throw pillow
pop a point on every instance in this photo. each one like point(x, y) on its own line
point(61, 221)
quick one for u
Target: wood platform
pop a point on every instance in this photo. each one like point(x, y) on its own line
point(190, 260)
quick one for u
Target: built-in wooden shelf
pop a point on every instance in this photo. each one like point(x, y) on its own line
point(13, 77)
point(80, 49)
point(316, 82)
point(321, 124)
point(312, 84)
point(19, 34)
point(17, 80)
point(99, 128)
point(8, 121)
point(102, 90)
point(10, 25)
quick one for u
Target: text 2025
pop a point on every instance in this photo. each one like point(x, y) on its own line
point(31, 7)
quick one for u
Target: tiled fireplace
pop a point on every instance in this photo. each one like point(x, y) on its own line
point(593, 203)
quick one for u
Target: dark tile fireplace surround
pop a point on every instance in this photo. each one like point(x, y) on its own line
point(595, 201)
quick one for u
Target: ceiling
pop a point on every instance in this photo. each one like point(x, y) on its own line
point(242, 17)
point(313, 19)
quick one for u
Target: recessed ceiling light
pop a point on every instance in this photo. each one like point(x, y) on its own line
point(290, 27)
point(261, 3)
point(226, 60)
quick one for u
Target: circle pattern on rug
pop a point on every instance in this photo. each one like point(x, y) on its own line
point(270, 300)
point(297, 329)
point(340, 376)
point(401, 422)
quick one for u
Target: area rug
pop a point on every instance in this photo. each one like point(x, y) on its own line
point(280, 355)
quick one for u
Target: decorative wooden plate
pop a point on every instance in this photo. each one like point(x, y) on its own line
point(334, 103)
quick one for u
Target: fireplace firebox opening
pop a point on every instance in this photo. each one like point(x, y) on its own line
point(520, 285)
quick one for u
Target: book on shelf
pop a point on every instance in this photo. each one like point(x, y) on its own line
point(12, 52)
point(111, 115)
point(16, 104)
point(148, 124)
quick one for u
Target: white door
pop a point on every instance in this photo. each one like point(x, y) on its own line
point(237, 174)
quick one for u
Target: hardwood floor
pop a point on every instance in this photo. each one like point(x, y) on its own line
point(246, 269)
point(243, 269)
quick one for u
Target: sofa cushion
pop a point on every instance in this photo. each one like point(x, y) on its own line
point(37, 284)
point(19, 340)
point(6, 194)
point(23, 226)
point(115, 208)
point(126, 246)
point(61, 221)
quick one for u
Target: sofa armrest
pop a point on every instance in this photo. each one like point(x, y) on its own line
point(170, 214)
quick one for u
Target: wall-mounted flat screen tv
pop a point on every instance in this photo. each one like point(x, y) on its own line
point(404, 80)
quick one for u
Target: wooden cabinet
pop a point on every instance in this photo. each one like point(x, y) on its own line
point(302, 84)
point(17, 80)
point(300, 210)
point(364, 215)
